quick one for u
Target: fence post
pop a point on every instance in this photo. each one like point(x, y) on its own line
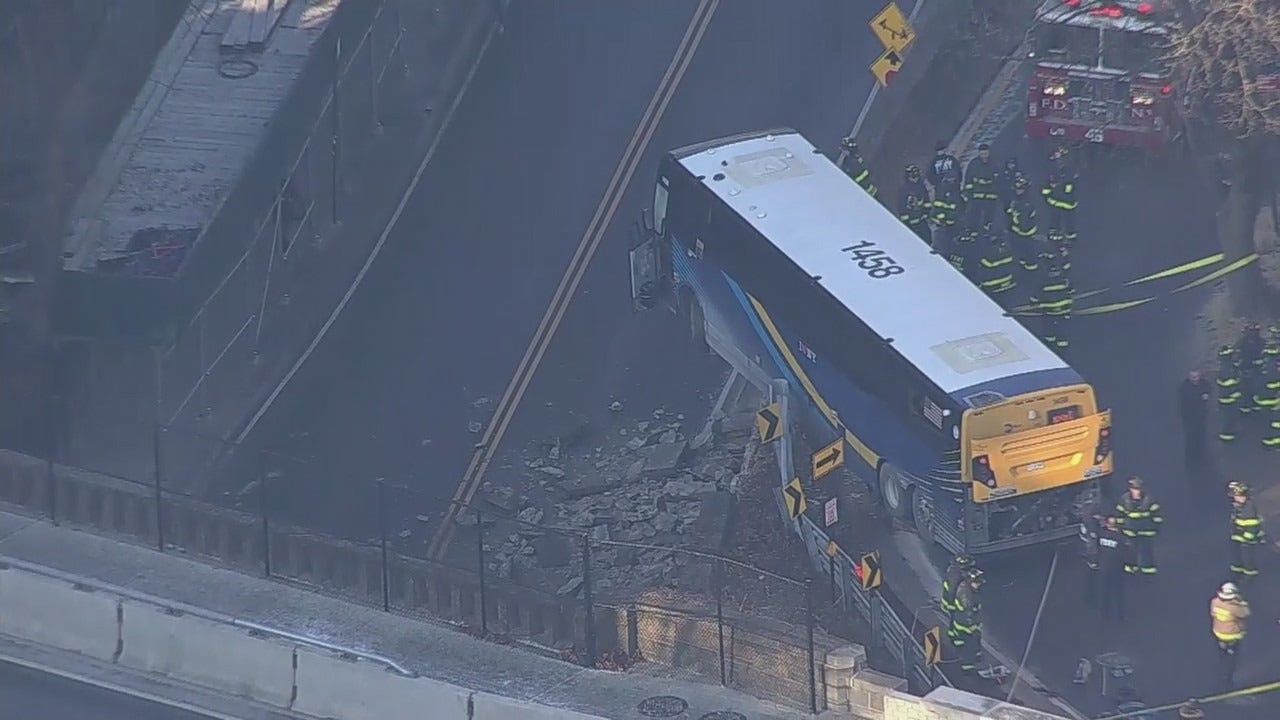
point(589, 600)
point(264, 478)
point(382, 544)
point(831, 574)
point(480, 559)
point(335, 151)
point(813, 671)
point(724, 679)
point(157, 480)
point(876, 619)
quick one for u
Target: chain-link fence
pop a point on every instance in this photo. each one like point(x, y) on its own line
point(213, 355)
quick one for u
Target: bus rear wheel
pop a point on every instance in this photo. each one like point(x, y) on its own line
point(895, 493)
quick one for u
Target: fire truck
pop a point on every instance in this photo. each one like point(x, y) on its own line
point(1100, 75)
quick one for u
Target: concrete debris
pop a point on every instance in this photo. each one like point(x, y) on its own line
point(647, 486)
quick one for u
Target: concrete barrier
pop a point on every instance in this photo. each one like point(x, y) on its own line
point(219, 656)
point(52, 612)
point(496, 707)
point(342, 687)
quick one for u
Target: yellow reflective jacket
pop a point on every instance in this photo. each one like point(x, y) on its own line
point(1229, 618)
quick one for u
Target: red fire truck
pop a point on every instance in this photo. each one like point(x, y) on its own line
point(1099, 74)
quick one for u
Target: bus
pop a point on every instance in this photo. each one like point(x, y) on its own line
point(964, 424)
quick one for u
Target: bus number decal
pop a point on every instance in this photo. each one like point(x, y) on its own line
point(877, 264)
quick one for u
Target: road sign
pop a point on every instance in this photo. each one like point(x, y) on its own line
point(832, 548)
point(886, 67)
point(793, 493)
point(830, 513)
point(871, 576)
point(893, 28)
point(769, 423)
point(828, 458)
point(932, 646)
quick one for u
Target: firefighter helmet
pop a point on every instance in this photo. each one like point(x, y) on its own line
point(849, 144)
point(1135, 483)
point(1228, 591)
point(1020, 182)
point(913, 173)
point(1236, 487)
point(1225, 352)
point(976, 576)
point(964, 561)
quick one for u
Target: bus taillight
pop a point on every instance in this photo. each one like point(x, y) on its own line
point(982, 471)
point(1103, 450)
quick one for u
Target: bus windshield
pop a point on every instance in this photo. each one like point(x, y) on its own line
point(1134, 52)
point(1067, 44)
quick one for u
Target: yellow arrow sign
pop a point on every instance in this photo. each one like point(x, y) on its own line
point(871, 575)
point(893, 28)
point(769, 423)
point(793, 494)
point(886, 67)
point(932, 646)
point(828, 458)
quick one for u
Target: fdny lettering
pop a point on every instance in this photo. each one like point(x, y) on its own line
point(806, 351)
point(1138, 112)
point(1055, 104)
point(877, 264)
point(1108, 542)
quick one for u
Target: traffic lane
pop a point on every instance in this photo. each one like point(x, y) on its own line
point(1136, 218)
point(28, 693)
point(446, 313)
point(805, 73)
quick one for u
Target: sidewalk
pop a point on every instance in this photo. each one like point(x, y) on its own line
point(432, 650)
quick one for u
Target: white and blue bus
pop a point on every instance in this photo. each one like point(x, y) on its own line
point(964, 423)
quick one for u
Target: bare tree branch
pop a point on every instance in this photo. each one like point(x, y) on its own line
point(1227, 53)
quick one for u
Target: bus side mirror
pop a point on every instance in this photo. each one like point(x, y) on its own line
point(646, 219)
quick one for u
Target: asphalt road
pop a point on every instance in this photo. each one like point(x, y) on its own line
point(432, 338)
point(26, 693)
point(1136, 218)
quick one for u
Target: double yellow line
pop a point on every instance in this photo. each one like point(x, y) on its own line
point(573, 274)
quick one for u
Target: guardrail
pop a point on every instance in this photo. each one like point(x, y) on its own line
point(883, 611)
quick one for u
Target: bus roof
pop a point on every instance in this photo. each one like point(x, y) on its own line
point(809, 209)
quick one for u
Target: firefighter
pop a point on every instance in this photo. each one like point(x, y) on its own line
point(1115, 552)
point(965, 630)
point(855, 167)
point(1229, 395)
point(944, 169)
point(1271, 381)
point(1139, 518)
point(995, 265)
point(957, 572)
point(1023, 226)
point(1262, 390)
point(1250, 359)
point(1247, 533)
point(980, 187)
point(1193, 407)
point(914, 204)
point(1054, 300)
point(1059, 194)
point(1005, 181)
point(963, 250)
point(946, 211)
point(1229, 613)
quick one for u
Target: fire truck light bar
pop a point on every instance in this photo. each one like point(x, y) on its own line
point(1114, 11)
